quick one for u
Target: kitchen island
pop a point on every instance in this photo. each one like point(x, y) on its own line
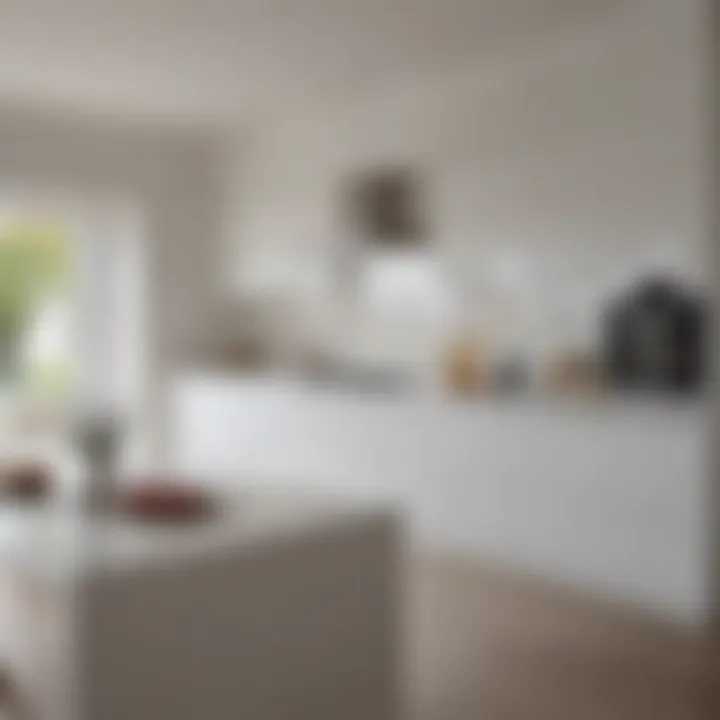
point(280, 606)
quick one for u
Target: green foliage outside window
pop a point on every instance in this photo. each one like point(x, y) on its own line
point(34, 265)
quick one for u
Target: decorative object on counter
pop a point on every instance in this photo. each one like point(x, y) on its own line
point(162, 499)
point(243, 345)
point(98, 438)
point(511, 376)
point(244, 356)
point(465, 371)
point(367, 378)
point(654, 338)
point(26, 480)
point(575, 373)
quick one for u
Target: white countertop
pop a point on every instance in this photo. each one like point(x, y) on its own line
point(59, 543)
point(530, 402)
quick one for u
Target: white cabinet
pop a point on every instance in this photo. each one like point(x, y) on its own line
point(610, 497)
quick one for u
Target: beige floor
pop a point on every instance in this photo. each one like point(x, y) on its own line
point(491, 645)
point(486, 645)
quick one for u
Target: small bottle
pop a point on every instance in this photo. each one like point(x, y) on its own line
point(465, 370)
point(98, 437)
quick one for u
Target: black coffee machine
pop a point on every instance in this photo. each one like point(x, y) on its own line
point(654, 338)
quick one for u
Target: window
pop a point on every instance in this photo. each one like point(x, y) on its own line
point(36, 360)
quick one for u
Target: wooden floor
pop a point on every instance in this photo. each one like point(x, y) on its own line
point(485, 645)
point(489, 645)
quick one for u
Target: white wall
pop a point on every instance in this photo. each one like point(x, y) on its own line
point(173, 179)
point(578, 159)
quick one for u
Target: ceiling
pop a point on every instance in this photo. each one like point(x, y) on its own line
point(214, 60)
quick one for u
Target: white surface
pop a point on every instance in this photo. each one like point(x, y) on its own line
point(283, 607)
point(60, 544)
point(305, 627)
point(610, 497)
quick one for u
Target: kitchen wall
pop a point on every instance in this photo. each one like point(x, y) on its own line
point(554, 173)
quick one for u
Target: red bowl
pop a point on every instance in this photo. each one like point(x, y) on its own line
point(26, 480)
point(165, 500)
